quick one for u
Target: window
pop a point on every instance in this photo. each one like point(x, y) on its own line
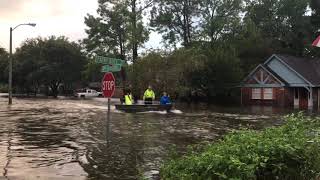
point(267, 93)
point(256, 93)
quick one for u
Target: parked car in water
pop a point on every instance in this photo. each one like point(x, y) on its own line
point(83, 93)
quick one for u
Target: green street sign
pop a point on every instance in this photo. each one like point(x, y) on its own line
point(110, 61)
point(113, 68)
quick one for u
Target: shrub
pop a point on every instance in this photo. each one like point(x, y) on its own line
point(290, 151)
point(3, 88)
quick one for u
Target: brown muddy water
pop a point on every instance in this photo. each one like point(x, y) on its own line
point(71, 139)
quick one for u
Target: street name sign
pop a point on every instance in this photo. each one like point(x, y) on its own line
point(110, 61)
point(113, 68)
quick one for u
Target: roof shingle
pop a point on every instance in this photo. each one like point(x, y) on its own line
point(309, 68)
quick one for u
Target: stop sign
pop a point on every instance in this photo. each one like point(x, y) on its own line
point(108, 85)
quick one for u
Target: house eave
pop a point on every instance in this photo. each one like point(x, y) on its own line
point(298, 74)
point(264, 68)
point(262, 85)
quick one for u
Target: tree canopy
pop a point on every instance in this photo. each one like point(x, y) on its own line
point(208, 45)
point(50, 62)
point(117, 30)
point(3, 65)
point(215, 42)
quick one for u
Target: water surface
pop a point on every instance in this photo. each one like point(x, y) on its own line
point(71, 139)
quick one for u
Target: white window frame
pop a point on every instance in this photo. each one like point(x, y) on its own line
point(268, 93)
point(256, 93)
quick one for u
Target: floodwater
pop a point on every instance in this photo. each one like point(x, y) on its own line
point(72, 139)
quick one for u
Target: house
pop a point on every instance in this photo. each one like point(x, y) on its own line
point(285, 81)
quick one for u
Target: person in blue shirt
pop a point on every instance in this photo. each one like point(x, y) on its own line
point(165, 99)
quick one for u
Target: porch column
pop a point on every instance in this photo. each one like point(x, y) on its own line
point(310, 99)
point(241, 96)
point(296, 97)
point(318, 98)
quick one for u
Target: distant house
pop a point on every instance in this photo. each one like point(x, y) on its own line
point(285, 81)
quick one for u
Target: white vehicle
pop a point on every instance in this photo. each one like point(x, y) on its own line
point(88, 93)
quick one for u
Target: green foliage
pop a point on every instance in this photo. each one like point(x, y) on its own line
point(220, 41)
point(285, 22)
point(198, 71)
point(92, 72)
point(118, 29)
point(4, 59)
point(49, 62)
point(220, 18)
point(3, 88)
point(290, 151)
point(175, 19)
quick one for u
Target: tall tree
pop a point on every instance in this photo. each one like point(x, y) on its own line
point(118, 29)
point(286, 22)
point(50, 61)
point(176, 19)
point(107, 33)
point(220, 17)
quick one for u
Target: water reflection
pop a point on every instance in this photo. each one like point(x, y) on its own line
point(72, 139)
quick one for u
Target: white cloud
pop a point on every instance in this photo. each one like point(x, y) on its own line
point(53, 17)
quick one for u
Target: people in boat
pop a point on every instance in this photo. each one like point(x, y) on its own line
point(165, 99)
point(149, 95)
point(128, 100)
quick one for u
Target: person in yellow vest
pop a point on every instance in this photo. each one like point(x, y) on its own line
point(128, 100)
point(149, 95)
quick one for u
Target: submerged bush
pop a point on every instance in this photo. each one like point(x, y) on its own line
point(3, 88)
point(290, 151)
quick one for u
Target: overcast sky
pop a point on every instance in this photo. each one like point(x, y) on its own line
point(53, 17)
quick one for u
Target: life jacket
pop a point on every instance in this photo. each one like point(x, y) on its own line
point(149, 94)
point(128, 100)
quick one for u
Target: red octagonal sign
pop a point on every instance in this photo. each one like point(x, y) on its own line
point(108, 85)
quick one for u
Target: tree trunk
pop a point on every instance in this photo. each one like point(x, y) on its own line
point(54, 89)
point(185, 24)
point(134, 31)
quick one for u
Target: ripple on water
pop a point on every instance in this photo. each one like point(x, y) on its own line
point(71, 139)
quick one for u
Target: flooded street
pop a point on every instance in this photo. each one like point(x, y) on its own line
point(71, 139)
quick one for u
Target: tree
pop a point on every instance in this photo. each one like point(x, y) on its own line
point(3, 65)
point(107, 34)
point(51, 62)
point(118, 29)
point(176, 19)
point(251, 46)
point(220, 17)
point(284, 21)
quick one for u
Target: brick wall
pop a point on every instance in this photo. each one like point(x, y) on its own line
point(282, 97)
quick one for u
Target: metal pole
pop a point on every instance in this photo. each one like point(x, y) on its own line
point(10, 69)
point(108, 115)
point(108, 123)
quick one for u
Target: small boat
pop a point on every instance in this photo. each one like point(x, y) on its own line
point(143, 107)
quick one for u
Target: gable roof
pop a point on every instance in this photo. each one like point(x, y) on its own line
point(309, 68)
point(279, 78)
point(268, 70)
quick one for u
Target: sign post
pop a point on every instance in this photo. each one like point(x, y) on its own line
point(108, 88)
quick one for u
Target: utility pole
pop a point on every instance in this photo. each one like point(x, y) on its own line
point(10, 69)
point(10, 61)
